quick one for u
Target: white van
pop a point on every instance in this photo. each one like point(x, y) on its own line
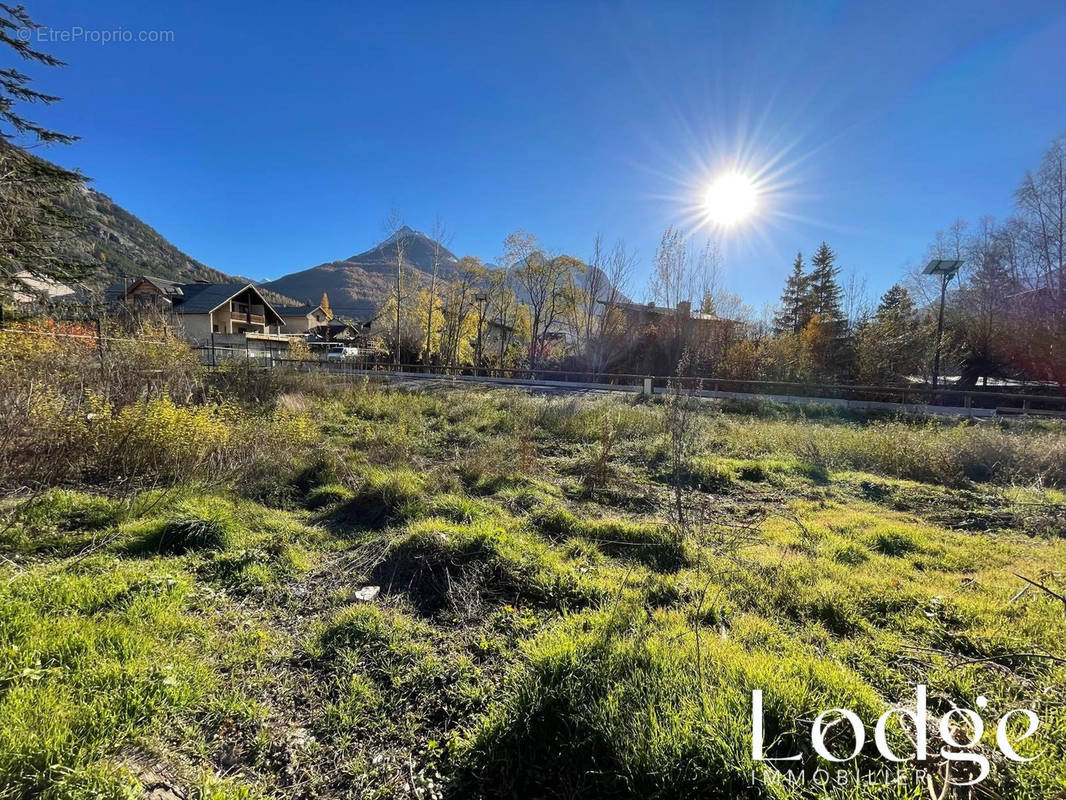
point(339, 352)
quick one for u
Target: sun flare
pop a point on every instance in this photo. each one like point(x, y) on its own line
point(731, 199)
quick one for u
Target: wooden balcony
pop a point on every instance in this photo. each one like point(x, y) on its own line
point(243, 316)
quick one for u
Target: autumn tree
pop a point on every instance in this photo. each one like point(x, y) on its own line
point(458, 307)
point(396, 232)
point(438, 235)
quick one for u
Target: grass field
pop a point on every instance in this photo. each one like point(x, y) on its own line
point(544, 624)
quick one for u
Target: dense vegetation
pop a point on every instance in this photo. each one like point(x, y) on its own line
point(188, 601)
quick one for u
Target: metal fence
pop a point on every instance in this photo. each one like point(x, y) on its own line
point(911, 397)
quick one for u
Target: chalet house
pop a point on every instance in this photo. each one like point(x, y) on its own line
point(207, 310)
point(302, 319)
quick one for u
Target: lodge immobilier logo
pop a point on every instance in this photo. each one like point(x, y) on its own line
point(948, 728)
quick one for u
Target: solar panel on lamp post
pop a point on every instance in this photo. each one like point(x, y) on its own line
point(946, 269)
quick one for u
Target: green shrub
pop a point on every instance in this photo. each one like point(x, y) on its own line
point(710, 475)
point(457, 508)
point(649, 542)
point(850, 554)
point(895, 542)
point(67, 511)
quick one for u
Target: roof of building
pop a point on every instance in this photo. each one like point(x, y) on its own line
point(203, 298)
point(359, 310)
point(33, 288)
point(167, 288)
point(651, 308)
point(296, 311)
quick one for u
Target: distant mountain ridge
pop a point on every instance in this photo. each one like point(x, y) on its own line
point(111, 242)
point(120, 245)
point(368, 278)
point(365, 280)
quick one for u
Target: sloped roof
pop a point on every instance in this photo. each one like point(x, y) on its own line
point(651, 308)
point(296, 311)
point(167, 288)
point(203, 298)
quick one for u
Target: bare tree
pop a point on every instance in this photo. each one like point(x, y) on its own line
point(1042, 209)
point(439, 233)
point(544, 280)
point(458, 304)
point(396, 233)
point(504, 308)
point(856, 298)
point(609, 326)
point(677, 277)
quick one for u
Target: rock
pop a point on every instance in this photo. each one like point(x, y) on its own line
point(367, 593)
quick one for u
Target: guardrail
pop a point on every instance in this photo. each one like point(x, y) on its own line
point(911, 397)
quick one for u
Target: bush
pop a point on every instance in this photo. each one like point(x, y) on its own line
point(64, 510)
point(895, 542)
point(649, 542)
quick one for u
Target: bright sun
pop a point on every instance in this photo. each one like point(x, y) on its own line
point(731, 198)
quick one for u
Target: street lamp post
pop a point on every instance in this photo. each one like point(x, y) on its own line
point(946, 269)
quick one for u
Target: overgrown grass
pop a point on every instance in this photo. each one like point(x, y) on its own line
point(425, 594)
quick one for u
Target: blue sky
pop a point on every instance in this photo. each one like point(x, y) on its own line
point(270, 137)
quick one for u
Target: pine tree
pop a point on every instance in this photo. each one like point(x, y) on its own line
point(824, 292)
point(794, 313)
point(835, 356)
point(36, 230)
point(891, 346)
point(896, 303)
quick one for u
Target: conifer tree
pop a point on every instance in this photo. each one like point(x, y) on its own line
point(36, 230)
point(823, 289)
point(794, 313)
point(834, 358)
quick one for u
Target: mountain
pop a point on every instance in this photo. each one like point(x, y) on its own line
point(110, 240)
point(367, 279)
point(121, 245)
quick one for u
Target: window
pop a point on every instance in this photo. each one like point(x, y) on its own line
point(214, 328)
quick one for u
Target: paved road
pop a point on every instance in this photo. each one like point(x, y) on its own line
point(414, 379)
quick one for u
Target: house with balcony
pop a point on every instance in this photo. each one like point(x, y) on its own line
point(207, 312)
